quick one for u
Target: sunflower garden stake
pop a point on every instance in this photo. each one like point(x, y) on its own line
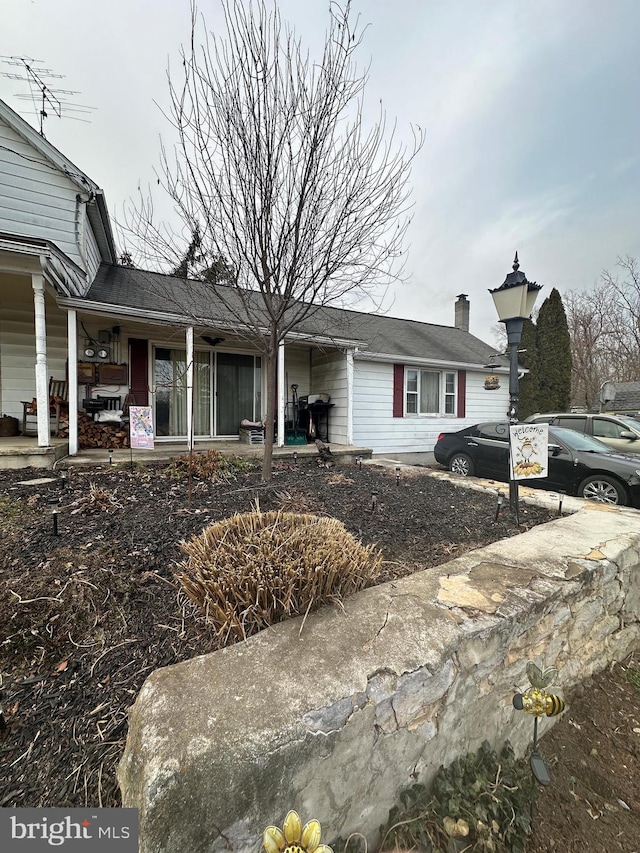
point(537, 701)
point(294, 837)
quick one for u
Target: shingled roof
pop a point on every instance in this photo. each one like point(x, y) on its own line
point(385, 337)
point(627, 397)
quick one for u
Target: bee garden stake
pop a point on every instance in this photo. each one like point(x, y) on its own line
point(537, 701)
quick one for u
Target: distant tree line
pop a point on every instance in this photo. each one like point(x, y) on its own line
point(604, 324)
point(579, 341)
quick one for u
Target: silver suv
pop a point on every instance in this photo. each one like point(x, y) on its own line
point(621, 433)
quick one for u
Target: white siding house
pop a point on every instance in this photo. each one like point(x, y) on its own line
point(54, 234)
point(411, 436)
point(329, 376)
point(69, 311)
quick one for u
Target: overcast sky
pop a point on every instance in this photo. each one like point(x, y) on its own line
point(530, 111)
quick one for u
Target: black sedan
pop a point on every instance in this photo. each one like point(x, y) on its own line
point(578, 464)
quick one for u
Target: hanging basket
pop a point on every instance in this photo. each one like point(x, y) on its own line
point(492, 383)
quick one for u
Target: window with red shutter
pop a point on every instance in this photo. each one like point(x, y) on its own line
point(462, 393)
point(398, 390)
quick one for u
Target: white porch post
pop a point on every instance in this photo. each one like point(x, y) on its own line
point(190, 387)
point(42, 382)
point(349, 396)
point(281, 394)
point(72, 349)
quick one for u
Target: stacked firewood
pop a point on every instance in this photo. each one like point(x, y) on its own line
point(92, 434)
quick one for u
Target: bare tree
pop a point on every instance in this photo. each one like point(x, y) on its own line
point(623, 309)
point(604, 324)
point(589, 329)
point(279, 174)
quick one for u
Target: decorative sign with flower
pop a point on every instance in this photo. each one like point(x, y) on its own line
point(141, 427)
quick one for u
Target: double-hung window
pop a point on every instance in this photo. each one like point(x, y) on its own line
point(430, 392)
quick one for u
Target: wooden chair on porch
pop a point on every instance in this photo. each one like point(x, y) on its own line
point(58, 402)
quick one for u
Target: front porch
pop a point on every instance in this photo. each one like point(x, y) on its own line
point(23, 452)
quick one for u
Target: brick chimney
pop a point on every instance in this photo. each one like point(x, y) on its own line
point(462, 312)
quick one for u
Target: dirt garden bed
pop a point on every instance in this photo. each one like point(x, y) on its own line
point(87, 614)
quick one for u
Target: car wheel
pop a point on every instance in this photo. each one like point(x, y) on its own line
point(604, 489)
point(461, 464)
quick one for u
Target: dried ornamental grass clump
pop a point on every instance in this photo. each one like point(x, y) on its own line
point(256, 569)
point(210, 465)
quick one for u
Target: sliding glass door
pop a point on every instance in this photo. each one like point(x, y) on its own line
point(237, 391)
point(237, 382)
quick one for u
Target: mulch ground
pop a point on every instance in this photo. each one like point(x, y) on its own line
point(88, 613)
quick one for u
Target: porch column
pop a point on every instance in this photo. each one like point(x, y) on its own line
point(281, 394)
point(42, 381)
point(190, 387)
point(349, 355)
point(72, 349)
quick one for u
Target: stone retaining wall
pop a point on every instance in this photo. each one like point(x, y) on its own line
point(335, 719)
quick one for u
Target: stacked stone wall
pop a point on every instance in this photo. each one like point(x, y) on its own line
point(336, 717)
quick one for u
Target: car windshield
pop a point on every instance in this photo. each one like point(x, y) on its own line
point(633, 425)
point(578, 440)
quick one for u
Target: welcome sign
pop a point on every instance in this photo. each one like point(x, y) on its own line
point(528, 451)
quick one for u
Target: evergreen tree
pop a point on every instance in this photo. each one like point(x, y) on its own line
point(553, 356)
point(195, 264)
point(529, 384)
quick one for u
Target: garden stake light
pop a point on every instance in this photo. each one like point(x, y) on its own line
point(295, 457)
point(560, 499)
point(110, 456)
point(499, 506)
point(54, 515)
point(537, 701)
point(397, 475)
point(374, 500)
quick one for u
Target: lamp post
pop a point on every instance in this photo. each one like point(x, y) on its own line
point(514, 301)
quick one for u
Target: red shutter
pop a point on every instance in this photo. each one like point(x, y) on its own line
point(462, 393)
point(398, 390)
point(139, 351)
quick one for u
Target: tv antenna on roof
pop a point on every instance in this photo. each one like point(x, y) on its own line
point(41, 94)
